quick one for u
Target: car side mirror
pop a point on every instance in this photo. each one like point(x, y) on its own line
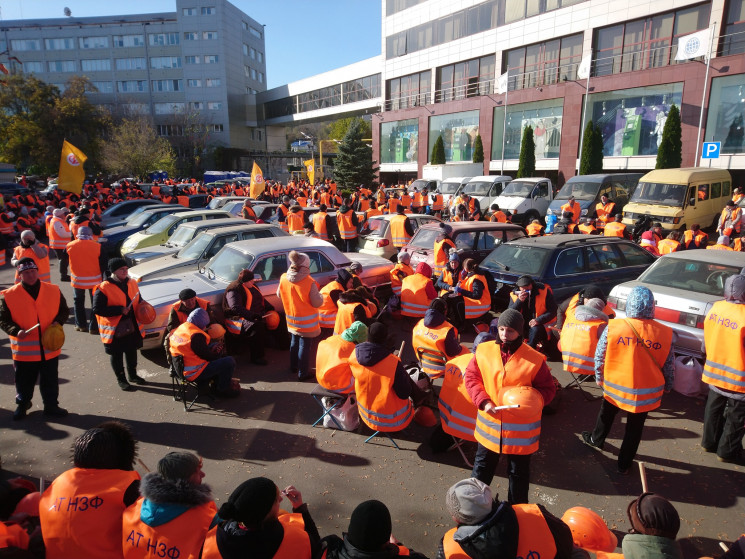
point(257, 277)
point(692, 201)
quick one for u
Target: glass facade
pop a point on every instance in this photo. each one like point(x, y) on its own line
point(544, 116)
point(726, 113)
point(631, 120)
point(458, 131)
point(408, 91)
point(465, 79)
point(732, 40)
point(361, 89)
point(544, 63)
point(399, 141)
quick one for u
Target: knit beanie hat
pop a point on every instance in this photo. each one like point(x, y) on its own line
point(592, 292)
point(199, 318)
point(469, 501)
point(369, 526)
point(404, 257)
point(512, 319)
point(85, 233)
point(251, 501)
point(653, 515)
point(299, 260)
point(343, 276)
point(356, 333)
point(445, 229)
point(178, 465)
point(116, 263)
point(453, 257)
point(377, 333)
point(187, 293)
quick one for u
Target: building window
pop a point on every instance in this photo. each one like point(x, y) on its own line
point(245, 49)
point(255, 32)
point(130, 63)
point(161, 62)
point(280, 107)
point(190, 11)
point(252, 53)
point(61, 66)
point(194, 83)
point(95, 65)
point(167, 85)
point(725, 117)
point(131, 86)
point(103, 87)
point(361, 89)
point(129, 41)
point(197, 105)
point(210, 59)
point(251, 91)
point(217, 128)
point(258, 132)
point(212, 82)
point(193, 59)
point(458, 132)
point(544, 116)
point(25, 44)
point(209, 35)
point(409, 91)
point(169, 130)
point(320, 98)
point(646, 43)
point(732, 40)
point(168, 108)
point(163, 39)
point(214, 106)
point(209, 11)
point(191, 36)
point(252, 72)
point(465, 79)
point(259, 57)
point(59, 44)
point(94, 42)
point(395, 6)
point(33, 67)
point(135, 108)
point(544, 63)
point(261, 77)
point(399, 141)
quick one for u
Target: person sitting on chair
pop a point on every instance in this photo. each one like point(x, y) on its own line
point(333, 372)
point(475, 291)
point(434, 334)
point(244, 307)
point(535, 301)
point(580, 335)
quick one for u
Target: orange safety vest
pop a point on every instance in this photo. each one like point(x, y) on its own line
point(81, 513)
point(534, 536)
point(436, 206)
point(393, 204)
point(406, 200)
point(666, 246)
point(578, 342)
point(301, 316)
point(345, 314)
point(295, 542)
point(719, 247)
point(574, 208)
point(499, 217)
point(295, 222)
point(417, 200)
point(183, 200)
point(328, 308)
point(42, 263)
point(302, 201)
point(614, 229)
point(724, 332)
point(414, 299)
point(398, 231)
point(181, 537)
point(347, 229)
point(586, 228)
point(395, 274)
point(180, 343)
point(457, 410)
point(58, 240)
point(26, 313)
point(85, 270)
point(332, 365)
point(115, 296)
point(283, 211)
point(574, 303)
point(248, 213)
point(733, 217)
point(379, 406)
point(13, 535)
point(441, 256)
point(700, 237)
point(477, 307)
point(603, 211)
point(534, 229)
point(633, 379)
point(540, 299)
point(6, 228)
point(433, 340)
point(507, 433)
point(319, 226)
point(182, 316)
point(364, 204)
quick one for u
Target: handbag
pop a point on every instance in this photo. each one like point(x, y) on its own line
point(125, 327)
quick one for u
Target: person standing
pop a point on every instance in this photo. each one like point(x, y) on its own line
point(115, 303)
point(507, 362)
point(724, 372)
point(301, 300)
point(634, 364)
point(59, 236)
point(31, 248)
point(85, 272)
point(26, 311)
point(443, 246)
point(347, 222)
point(401, 228)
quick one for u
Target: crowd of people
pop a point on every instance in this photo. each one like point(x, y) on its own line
point(493, 393)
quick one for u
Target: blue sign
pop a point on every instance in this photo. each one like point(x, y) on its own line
point(711, 150)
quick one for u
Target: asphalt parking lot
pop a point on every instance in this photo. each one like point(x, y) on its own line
point(267, 431)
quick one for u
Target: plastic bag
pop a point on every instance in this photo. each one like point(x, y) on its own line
point(346, 414)
point(688, 372)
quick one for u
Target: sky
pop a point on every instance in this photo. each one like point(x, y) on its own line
point(303, 37)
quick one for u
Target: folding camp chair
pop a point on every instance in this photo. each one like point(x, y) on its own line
point(179, 384)
point(458, 443)
point(319, 393)
point(367, 440)
point(578, 380)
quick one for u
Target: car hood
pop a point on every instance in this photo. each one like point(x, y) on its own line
point(159, 265)
point(152, 252)
point(651, 209)
point(121, 231)
point(162, 291)
point(508, 202)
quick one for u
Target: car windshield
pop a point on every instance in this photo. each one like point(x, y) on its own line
point(228, 263)
point(689, 275)
point(518, 188)
point(449, 187)
point(580, 190)
point(216, 203)
point(517, 259)
point(425, 238)
point(480, 188)
point(181, 237)
point(659, 193)
point(195, 248)
point(375, 228)
point(140, 219)
point(418, 184)
point(161, 225)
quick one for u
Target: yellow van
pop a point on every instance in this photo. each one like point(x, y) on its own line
point(677, 198)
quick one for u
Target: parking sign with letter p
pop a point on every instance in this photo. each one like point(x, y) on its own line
point(711, 150)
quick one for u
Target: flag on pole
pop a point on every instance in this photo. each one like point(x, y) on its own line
point(583, 71)
point(257, 181)
point(694, 45)
point(71, 172)
point(310, 167)
point(502, 83)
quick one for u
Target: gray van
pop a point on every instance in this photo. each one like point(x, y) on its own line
point(587, 190)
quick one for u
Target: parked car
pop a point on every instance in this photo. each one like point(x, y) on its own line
point(485, 189)
point(10, 189)
point(202, 247)
point(377, 239)
point(567, 263)
point(526, 199)
point(114, 237)
point(685, 286)
point(473, 239)
point(132, 216)
point(588, 189)
point(267, 259)
point(181, 237)
point(120, 211)
point(159, 231)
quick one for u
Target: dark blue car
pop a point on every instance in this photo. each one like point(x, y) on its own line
point(115, 236)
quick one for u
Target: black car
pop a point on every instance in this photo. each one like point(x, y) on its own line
point(566, 263)
point(10, 189)
point(119, 212)
point(115, 236)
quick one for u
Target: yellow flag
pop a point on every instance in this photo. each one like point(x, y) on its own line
point(71, 172)
point(257, 181)
point(310, 167)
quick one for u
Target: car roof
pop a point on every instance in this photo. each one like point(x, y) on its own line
point(207, 223)
point(241, 227)
point(160, 207)
point(554, 241)
point(291, 242)
point(475, 226)
point(191, 213)
point(723, 257)
point(387, 217)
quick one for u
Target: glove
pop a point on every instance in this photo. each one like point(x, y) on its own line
point(456, 290)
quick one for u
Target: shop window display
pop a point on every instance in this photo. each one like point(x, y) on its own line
point(544, 116)
point(399, 141)
point(458, 131)
point(726, 113)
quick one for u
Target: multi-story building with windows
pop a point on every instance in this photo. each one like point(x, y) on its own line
point(205, 61)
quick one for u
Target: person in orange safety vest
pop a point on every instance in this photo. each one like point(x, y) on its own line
point(614, 227)
point(442, 248)
point(401, 270)
point(417, 291)
point(253, 525)
point(475, 291)
point(31, 248)
point(347, 222)
point(356, 304)
point(401, 228)
point(85, 273)
point(333, 372)
point(604, 209)
point(508, 362)
point(721, 244)
point(579, 337)
point(634, 364)
point(534, 228)
point(572, 206)
point(59, 236)
point(670, 244)
point(535, 301)
point(435, 340)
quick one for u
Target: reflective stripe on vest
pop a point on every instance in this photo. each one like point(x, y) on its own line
point(432, 340)
point(347, 229)
point(180, 344)
point(327, 311)
point(379, 406)
point(578, 342)
point(457, 411)
point(27, 313)
point(724, 332)
point(414, 300)
point(300, 314)
point(233, 326)
point(332, 365)
point(399, 235)
point(319, 226)
point(395, 272)
point(477, 307)
point(441, 255)
point(85, 271)
point(58, 240)
point(115, 298)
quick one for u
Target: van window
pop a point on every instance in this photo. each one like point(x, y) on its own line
point(725, 188)
point(716, 189)
point(702, 192)
point(620, 190)
point(496, 189)
point(541, 189)
point(692, 196)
